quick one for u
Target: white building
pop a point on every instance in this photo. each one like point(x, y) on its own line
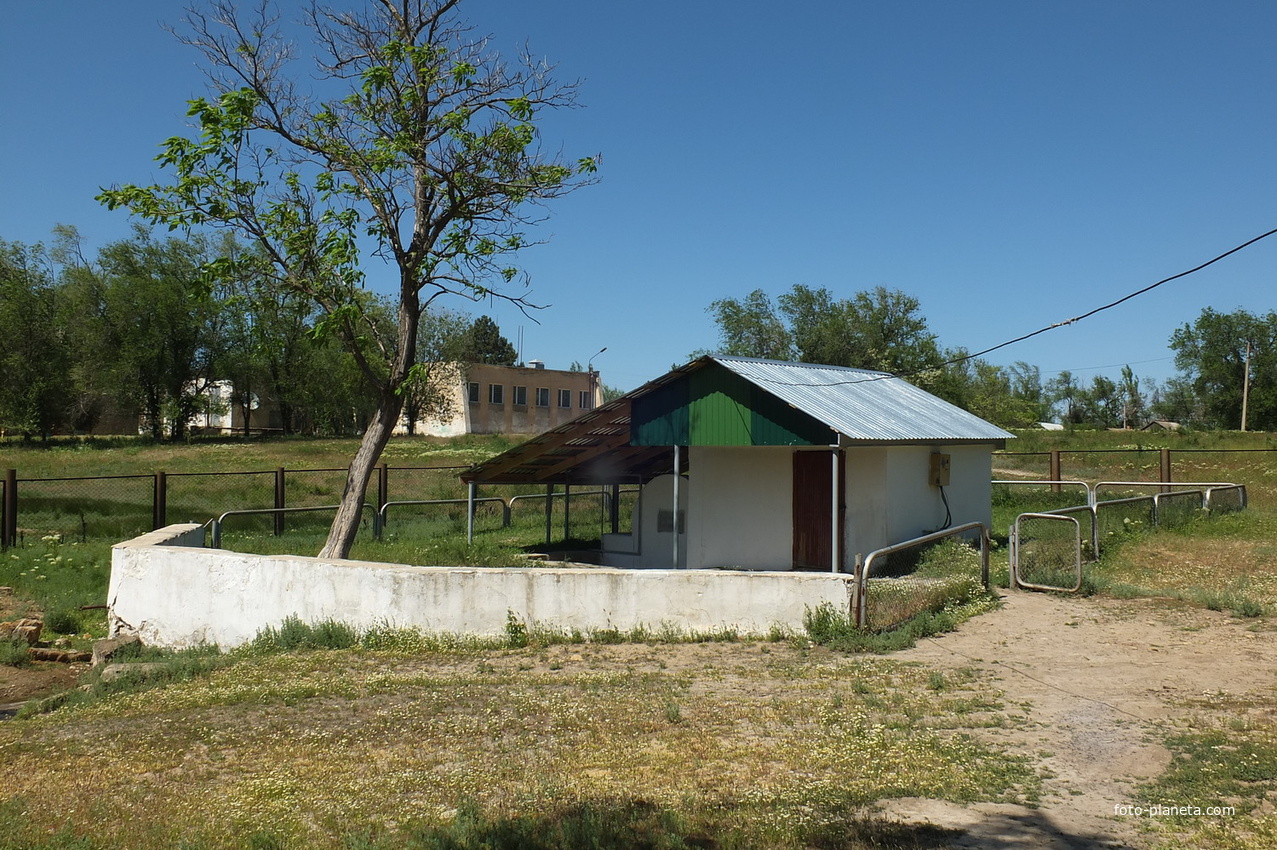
point(779, 465)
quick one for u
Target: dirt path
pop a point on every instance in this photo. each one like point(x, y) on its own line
point(1098, 676)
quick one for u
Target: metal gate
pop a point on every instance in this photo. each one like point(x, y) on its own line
point(1046, 552)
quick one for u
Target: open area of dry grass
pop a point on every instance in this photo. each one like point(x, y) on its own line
point(737, 744)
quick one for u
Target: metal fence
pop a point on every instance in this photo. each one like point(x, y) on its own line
point(1046, 552)
point(1038, 547)
point(117, 507)
point(899, 582)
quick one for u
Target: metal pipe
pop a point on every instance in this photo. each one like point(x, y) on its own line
point(677, 476)
point(470, 494)
point(549, 511)
point(567, 511)
point(835, 561)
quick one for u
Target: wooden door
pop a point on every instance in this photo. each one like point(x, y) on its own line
point(813, 509)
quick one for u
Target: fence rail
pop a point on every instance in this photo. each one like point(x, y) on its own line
point(122, 506)
point(1111, 518)
point(906, 594)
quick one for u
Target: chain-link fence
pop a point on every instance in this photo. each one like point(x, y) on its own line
point(926, 574)
point(1225, 500)
point(1046, 551)
point(111, 507)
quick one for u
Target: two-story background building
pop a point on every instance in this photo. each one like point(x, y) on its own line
point(531, 399)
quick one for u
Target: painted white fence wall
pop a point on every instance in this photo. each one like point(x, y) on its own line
point(171, 593)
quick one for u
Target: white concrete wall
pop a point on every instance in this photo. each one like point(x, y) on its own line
point(742, 516)
point(177, 595)
point(890, 498)
point(648, 547)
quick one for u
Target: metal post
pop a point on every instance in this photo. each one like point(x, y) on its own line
point(1054, 473)
point(567, 511)
point(470, 492)
point(159, 502)
point(674, 524)
point(614, 508)
point(280, 500)
point(549, 511)
point(835, 543)
point(383, 485)
point(1166, 469)
point(858, 593)
point(9, 511)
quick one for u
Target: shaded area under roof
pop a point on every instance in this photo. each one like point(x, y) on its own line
point(856, 406)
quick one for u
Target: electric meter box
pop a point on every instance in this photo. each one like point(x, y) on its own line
point(939, 470)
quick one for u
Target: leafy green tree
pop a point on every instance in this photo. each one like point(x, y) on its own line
point(404, 129)
point(1132, 398)
point(1211, 355)
point(751, 327)
point(482, 342)
point(34, 353)
point(1101, 403)
point(880, 329)
point(161, 325)
point(1064, 390)
point(270, 348)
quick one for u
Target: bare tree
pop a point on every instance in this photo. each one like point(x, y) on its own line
point(405, 129)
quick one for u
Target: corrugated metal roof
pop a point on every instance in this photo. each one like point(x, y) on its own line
point(862, 405)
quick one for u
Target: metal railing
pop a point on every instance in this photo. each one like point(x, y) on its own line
point(214, 526)
point(864, 570)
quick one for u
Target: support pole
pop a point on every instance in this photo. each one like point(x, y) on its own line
point(1053, 474)
point(159, 503)
point(614, 509)
point(280, 499)
point(549, 511)
point(567, 511)
point(835, 543)
point(677, 478)
point(470, 490)
point(1166, 469)
point(9, 510)
point(1246, 387)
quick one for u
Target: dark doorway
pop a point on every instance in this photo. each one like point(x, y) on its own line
point(813, 546)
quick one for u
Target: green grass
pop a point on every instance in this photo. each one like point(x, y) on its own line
point(591, 745)
point(1224, 756)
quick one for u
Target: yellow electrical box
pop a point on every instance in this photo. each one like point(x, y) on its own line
point(939, 470)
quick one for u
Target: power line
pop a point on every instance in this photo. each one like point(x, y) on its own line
point(1051, 327)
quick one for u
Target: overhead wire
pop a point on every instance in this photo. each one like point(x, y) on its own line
point(882, 376)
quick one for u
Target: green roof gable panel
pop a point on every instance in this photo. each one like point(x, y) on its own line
point(713, 406)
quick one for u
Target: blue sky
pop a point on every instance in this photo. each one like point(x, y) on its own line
point(1009, 164)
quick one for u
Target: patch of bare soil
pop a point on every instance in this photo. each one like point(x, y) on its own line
point(38, 679)
point(1099, 678)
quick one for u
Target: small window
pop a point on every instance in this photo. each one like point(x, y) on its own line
point(496, 393)
point(520, 396)
point(473, 392)
point(586, 401)
point(565, 398)
point(665, 521)
point(543, 396)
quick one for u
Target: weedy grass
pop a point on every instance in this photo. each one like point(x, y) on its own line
point(1224, 756)
point(590, 745)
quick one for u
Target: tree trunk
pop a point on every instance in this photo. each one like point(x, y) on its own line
point(346, 524)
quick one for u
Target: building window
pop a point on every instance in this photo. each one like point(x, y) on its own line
point(520, 396)
point(472, 391)
point(586, 401)
point(543, 396)
point(496, 393)
point(565, 398)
